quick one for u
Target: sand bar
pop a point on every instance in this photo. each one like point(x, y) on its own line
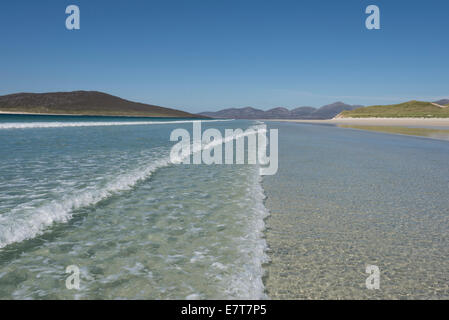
point(418, 122)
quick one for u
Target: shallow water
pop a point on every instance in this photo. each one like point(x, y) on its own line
point(106, 199)
point(433, 133)
point(344, 199)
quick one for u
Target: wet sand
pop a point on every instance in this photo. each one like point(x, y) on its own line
point(415, 122)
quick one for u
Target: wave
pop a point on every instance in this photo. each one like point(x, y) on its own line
point(17, 226)
point(249, 285)
point(26, 222)
point(33, 125)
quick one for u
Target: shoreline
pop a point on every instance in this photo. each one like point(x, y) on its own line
point(428, 122)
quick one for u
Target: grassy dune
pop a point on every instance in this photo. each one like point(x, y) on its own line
point(411, 109)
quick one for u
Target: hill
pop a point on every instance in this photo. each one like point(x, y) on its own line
point(325, 112)
point(410, 109)
point(84, 103)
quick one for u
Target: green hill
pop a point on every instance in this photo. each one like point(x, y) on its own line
point(410, 109)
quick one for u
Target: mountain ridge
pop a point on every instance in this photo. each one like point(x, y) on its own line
point(305, 112)
point(442, 102)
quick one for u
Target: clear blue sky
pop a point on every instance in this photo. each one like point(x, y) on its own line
point(208, 55)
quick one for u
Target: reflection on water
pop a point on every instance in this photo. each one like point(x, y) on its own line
point(423, 132)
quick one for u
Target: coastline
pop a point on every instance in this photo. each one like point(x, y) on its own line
point(428, 122)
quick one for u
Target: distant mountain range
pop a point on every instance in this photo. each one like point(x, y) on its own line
point(442, 102)
point(84, 103)
point(325, 112)
point(99, 103)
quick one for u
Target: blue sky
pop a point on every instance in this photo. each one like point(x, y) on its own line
point(209, 55)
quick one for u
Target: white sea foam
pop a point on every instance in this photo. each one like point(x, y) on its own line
point(239, 278)
point(34, 125)
point(249, 284)
point(26, 222)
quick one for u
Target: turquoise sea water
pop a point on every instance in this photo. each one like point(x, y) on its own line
point(100, 193)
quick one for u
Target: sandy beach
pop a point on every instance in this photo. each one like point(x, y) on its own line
point(418, 122)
